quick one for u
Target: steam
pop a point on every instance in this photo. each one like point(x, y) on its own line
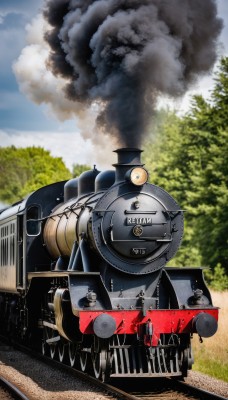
point(117, 56)
point(42, 87)
point(40, 84)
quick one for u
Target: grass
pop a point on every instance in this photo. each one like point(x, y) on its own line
point(211, 356)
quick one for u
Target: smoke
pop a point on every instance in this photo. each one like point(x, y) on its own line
point(42, 87)
point(117, 56)
point(123, 53)
point(36, 80)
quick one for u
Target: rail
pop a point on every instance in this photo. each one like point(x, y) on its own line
point(173, 389)
point(12, 389)
point(165, 388)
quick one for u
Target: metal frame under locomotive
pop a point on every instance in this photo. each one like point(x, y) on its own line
point(84, 314)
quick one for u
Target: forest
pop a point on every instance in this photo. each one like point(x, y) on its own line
point(186, 155)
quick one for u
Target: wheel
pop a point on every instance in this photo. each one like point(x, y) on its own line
point(83, 360)
point(100, 361)
point(72, 353)
point(54, 345)
point(52, 350)
point(186, 361)
point(45, 348)
point(62, 351)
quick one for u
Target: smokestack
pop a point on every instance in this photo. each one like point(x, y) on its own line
point(127, 159)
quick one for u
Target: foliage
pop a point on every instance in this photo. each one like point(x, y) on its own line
point(211, 355)
point(217, 279)
point(166, 165)
point(23, 170)
point(78, 169)
point(188, 157)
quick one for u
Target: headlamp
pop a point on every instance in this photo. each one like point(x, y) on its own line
point(138, 176)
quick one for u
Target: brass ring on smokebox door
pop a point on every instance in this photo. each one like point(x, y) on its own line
point(138, 230)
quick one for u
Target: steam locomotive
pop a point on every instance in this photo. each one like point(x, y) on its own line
point(83, 275)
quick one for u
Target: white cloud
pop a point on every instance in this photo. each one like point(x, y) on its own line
point(70, 146)
point(42, 87)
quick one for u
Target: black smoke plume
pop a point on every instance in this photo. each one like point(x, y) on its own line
point(122, 53)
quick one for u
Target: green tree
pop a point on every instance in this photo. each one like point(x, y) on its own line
point(23, 170)
point(78, 169)
point(167, 167)
point(189, 159)
point(206, 142)
point(218, 280)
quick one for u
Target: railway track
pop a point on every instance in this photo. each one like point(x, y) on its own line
point(166, 389)
point(9, 391)
point(159, 389)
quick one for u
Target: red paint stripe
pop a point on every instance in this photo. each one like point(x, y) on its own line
point(163, 321)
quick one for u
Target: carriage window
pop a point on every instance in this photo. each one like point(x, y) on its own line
point(7, 245)
point(12, 250)
point(33, 223)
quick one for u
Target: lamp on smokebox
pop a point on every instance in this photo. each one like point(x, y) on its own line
point(137, 176)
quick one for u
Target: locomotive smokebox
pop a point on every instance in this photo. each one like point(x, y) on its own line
point(136, 227)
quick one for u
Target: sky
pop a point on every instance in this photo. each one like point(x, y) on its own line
point(24, 123)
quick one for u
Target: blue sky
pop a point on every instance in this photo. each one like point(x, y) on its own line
point(24, 122)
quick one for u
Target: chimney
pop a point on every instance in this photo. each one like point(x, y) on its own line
point(128, 158)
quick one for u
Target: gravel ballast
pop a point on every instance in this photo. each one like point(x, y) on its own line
point(40, 381)
point(208, 383)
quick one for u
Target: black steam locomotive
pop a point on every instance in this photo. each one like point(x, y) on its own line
point(83, 274)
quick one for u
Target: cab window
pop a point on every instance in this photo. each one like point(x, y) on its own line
point(33, 220)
